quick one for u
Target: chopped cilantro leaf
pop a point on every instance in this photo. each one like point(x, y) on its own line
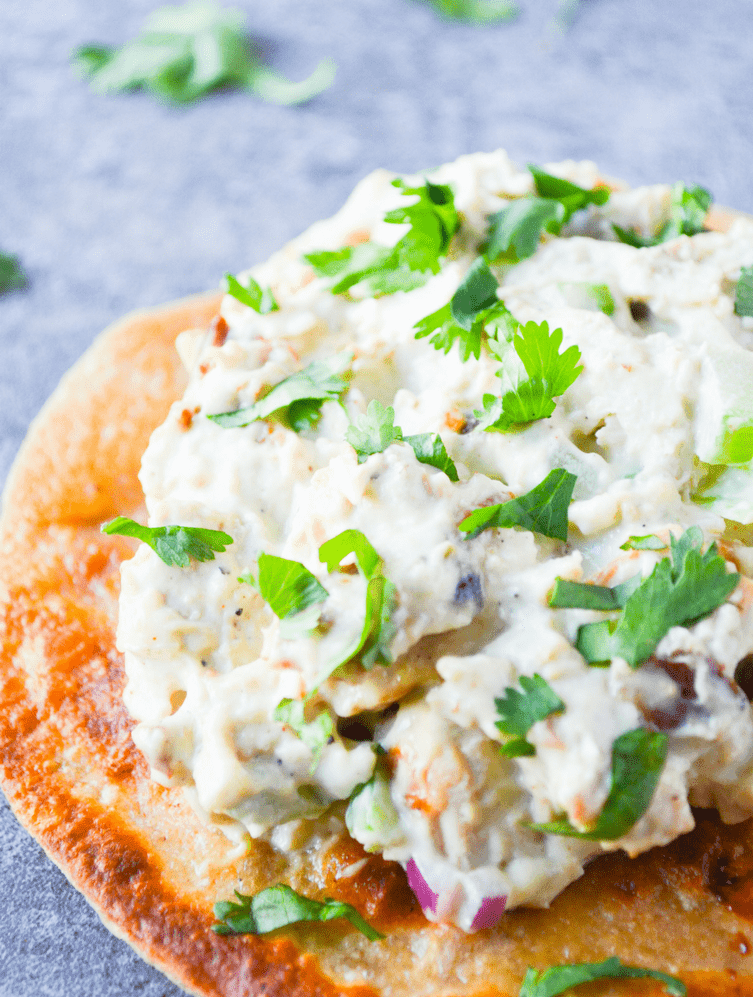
point(638, 758)
point(297, 400)
point(576, 595)
point(12, 276)
point(682, 589)
point(315, 734)
point(648, 542)
point(743, 292)
point(590, 297)
point(477, 11)
point(262, 301)
point(188, 51)
point(290, 589)
point(515, 231)
point(687, 216)
point(519, 711)
point(433, 221)
point(530, 397)
point(559, 979)
point(279, 906)
point(373, 643)
point(542, 510)
point(477, 292)
point(376, 430)
point(176, 545)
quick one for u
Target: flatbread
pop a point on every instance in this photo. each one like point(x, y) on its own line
point(140, 854)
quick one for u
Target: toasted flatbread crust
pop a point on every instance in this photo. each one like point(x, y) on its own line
point(145, 861)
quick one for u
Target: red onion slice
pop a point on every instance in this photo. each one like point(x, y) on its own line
point(424, 893)
point(490, 911)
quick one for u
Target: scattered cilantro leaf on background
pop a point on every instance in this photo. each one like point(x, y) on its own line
point(315, 733)
point(176, 545)
point(289, 588)
point(519, 711)
point(477, 11)
point(542, 510)
point(743, 292)
point(374, 431)
point(529, 398)
point(12, 276)
point(188, 51)
point(559, 979)
point(648, 542)
point(262, 301)
point(433, 221)
point(373, 643)
point(515, 231)
point(638, 758)
point(682, 589)
point(297, 400)
point(279, 906)
point(687, 216)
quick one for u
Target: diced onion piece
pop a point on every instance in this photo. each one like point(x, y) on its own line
point(490, 911)
point(424, 893)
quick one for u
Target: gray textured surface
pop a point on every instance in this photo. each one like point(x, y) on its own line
point(116, 203)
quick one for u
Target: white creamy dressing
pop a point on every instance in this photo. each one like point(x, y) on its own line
point(207, 663)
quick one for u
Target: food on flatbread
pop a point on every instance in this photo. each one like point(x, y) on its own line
point(480, 481)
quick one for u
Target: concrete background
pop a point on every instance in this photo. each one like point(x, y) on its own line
point(119, 202)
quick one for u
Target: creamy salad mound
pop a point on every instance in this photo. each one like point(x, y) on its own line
point(448, 536)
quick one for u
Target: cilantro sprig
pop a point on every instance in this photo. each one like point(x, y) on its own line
point(687, 216)
point(558, 979)
point(316, 733)
point(176, 545)
point(292, 592)
point(12, 276)
point(375, 430)
point(515, 231)
point(744, 292)
point(433, 221)
point(638, 757)
point(519, 711)
point(277, 907)
point(296, 401)
point(528, 394)
point(372, 645)
point(186, 52)
point(682, 589)
point(262, 301)
point(542, 510)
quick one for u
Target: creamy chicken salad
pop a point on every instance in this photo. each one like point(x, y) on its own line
point(448, 536)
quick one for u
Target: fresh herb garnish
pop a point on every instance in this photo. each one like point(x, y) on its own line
point(374, 431)
point(262, 301)
point(316, 734)
point(291, 590)
point(277, 907)
point(373, 643)
point(473, 310)
point(533, 374)
point(590, 297)
point(580, 595)
point(515, 231)
point(187, 52)
point(558, 979)
point(521, 710)
point(296, 401)
point(176, 545)
point(638, 758)
point(647, 542)
point(433, 221)
point(477, 11)
point(682, 589)
point(12, 276)
point(744, 292)
point(687, 216)
point(542, 510)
